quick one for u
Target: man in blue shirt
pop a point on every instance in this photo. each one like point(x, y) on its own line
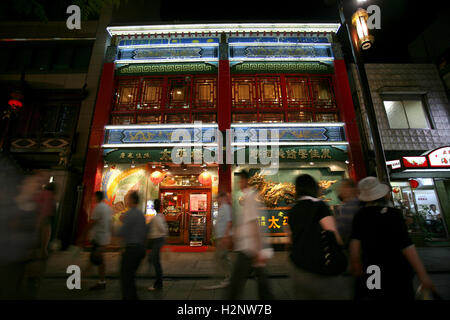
point(134, 234)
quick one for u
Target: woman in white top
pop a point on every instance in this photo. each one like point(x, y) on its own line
point(158, 234)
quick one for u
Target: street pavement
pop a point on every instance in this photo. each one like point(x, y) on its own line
point(186, 274)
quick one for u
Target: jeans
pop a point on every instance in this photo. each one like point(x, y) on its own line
point(241, 271)
point(131, 258)
point(154, 258)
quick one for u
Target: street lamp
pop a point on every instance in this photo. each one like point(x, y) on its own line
point(359, 20)
point(364, 41)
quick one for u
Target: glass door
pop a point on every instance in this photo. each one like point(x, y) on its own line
point(173, 207)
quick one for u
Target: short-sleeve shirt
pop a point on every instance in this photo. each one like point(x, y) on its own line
point(383, 234)
point(134, 230)
point(246, 236)
point(298, 219)
point(101, 232)
point(223, 218)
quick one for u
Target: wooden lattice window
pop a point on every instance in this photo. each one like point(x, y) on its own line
point(151, 94)
point(126, 95)
point(269, 92)
point(244, 117)
point(300, 116)
point(326, 117)
point(179, 93)
point(243, 92)
point(271, 117)
point(297, 90)
point(149, 119)
point(322, 92)
point(205, 117)
point(177, 118)
point(205, 93)
point(122, 120)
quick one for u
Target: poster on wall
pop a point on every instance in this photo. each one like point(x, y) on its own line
point(198, 202)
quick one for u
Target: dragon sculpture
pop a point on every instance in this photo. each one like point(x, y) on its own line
point(272, 193)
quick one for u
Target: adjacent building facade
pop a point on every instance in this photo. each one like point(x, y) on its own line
point(413, 117)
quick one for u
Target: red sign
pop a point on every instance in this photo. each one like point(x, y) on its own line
point(440, 157)
point(415, 162)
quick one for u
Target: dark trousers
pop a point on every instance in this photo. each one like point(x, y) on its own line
point(131, 258)
point(154, 259)
point(241, 271)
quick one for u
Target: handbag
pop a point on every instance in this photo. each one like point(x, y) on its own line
point(318, 251)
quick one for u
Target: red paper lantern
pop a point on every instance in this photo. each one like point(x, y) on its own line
point(15, 104)
point(413, 183)
point(156, 177)
point(205, 178)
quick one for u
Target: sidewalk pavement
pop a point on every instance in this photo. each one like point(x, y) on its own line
point(186, 274)
point(202, 264)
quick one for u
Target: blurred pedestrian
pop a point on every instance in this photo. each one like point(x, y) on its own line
point(348, 194)
point(380, 238)
point(306, 218)
point(248, 244)
point(46, 214)
point(100, 230)
point(158, 233)
point(134, 234)
point(18, 232)
point(223, 233)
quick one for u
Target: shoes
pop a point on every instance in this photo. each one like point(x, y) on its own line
point(98, 286)
point(154, 288)
point(225, 283)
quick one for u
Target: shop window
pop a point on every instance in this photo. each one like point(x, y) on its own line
point(244, 118)
point(297, 91)
point(271, 117)
point(326, 117)
point(177, 118)
point(405, 114)
point(300, 116)
point(269, 92)
point(149, 119)
point(205, 93)
point(151, 94)
point(322, 93)
point(243, 92)
point(126, 95)
point(122, 120)
point(205, 117)
point(179, 92)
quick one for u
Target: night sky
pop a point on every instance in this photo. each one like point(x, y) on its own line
point(401, 20)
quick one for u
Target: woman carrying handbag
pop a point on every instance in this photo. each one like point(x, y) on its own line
point(317, 256)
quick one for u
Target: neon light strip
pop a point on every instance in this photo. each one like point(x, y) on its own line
point(225, 27)
point(426, 170)
point(128, 61)
point(144, 145)
point(277, 44)
point(157, 126)
point(299, 124)
point(281, 143)
point(284, 59)
point(169, 46)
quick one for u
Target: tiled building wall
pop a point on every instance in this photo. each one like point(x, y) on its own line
point(407, 78)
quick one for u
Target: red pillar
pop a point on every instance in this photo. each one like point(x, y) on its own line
point(224, 119)
point(94, 158)
point(357, 168)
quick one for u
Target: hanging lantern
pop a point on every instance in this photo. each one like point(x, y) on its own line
point(156, 177)
point(359, 20)
point(413, 183)
point(396, 190)
point(15, 104)
point(205, 178)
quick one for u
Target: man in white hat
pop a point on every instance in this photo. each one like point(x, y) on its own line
point(380, 238)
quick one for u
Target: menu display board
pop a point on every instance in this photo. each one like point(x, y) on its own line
point(198, 202)
point(197, 229)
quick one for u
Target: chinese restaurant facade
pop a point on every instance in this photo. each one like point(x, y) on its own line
point(216, 80)
point(421, 186)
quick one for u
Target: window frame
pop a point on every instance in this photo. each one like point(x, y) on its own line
point(406, 96)
point(163, 109)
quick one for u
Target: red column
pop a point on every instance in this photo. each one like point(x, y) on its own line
point(357, 168)
point(94, 158)
point(224, 119)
